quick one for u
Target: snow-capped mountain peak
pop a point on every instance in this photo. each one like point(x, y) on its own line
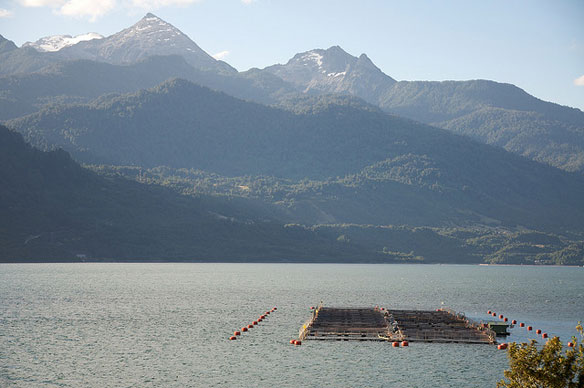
point(58, 42)
point(150, 36)
point(152, 28)
point(333, 71)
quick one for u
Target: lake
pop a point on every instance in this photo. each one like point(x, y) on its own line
point(167, 325)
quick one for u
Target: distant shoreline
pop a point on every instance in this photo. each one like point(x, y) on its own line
point(283, 261)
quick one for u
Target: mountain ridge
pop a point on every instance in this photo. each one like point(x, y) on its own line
point(149, 36)
point(543, 131)
point(362, 160)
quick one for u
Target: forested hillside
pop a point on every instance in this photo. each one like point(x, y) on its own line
point(53, 209)
point(367, 166)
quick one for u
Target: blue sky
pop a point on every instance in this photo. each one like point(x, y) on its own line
point(536, 45)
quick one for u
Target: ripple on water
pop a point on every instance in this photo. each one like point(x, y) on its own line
point(153, 325)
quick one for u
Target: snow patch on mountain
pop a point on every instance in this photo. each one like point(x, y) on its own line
point(312, 56)
point(58, 42)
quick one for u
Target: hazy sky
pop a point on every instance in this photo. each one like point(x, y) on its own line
point(536, 45)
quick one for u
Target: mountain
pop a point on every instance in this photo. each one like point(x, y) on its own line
point(148, 37)
point(6, 45)
point(52, 209)
point(334, 71)
point(493, 113)
point(57, 42)
point(352, 163)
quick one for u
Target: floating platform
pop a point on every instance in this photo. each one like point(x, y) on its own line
point(441, 326)
point(374, 324)
point(362, 324)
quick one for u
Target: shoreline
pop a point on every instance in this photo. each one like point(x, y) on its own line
point(210, 261)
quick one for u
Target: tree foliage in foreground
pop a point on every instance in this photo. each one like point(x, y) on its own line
point(548, 367)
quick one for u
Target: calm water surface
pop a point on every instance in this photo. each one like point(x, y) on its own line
point(166, 325)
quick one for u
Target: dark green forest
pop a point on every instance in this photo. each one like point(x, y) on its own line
point(55, 210)
point(363, 165)
point(182, 172)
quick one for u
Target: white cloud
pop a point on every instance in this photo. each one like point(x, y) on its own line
point(42, 3)
point(247, 1)
point(579, 81)
point(153, 4)
point(4, 13)
point(221, 55)
point(76, 8)
point(87, 8)
point(93, 9)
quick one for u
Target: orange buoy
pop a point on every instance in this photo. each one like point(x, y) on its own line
point(544, 335)
point(244, 328)
point(494, 314)
point(395, 344)
point(297, 342)
point(514, 322)
point(254, 323)
point(529, 328)
point(237, 333)
point(570, 345)
point(505, 319)
point(502, 346)
point(522, 324)
point(405, 343)
point(249, 326)
point(500, 316)
point(489, 312)
point(538, 331)
point(275, 308)
point(232, 338)
point(292, 341)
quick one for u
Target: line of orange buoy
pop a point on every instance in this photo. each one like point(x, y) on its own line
point(254, 323)
point(521, 324)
